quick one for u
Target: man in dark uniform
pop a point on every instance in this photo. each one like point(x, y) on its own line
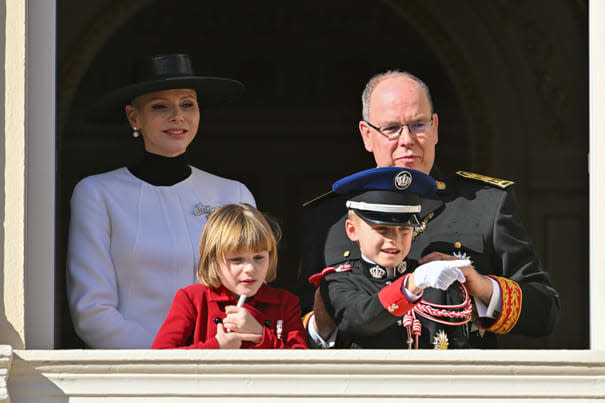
point(472, 216)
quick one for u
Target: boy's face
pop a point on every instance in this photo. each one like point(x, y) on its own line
point(385, 245)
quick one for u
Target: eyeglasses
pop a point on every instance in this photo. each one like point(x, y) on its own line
point(392, 132)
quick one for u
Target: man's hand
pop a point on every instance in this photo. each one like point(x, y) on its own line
point(477, 284)
point(322, 320)
point(437, 274)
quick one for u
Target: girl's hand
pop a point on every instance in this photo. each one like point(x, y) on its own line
point(227, 340)
point(234, 340)
point(239, 320)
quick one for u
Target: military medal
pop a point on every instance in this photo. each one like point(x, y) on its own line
point(377, 272)
point(204, 209)
point(440, 341)
point(461, 255)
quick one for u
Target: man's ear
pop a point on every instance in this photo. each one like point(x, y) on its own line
point(436, 127)
point(351, 230)
point(366, 136)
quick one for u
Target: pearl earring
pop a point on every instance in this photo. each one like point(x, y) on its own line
point(135, 132)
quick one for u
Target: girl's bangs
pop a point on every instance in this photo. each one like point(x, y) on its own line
point(248, 237)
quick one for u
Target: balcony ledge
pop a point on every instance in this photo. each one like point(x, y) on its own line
point(364, 375)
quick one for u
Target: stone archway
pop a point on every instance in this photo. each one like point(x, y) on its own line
point(491, 69)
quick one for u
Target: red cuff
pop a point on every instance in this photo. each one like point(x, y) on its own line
point(392, 298)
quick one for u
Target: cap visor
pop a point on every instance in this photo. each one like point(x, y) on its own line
point(406, 219)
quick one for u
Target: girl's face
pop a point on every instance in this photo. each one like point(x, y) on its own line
point(244, 272)
point(168, 120)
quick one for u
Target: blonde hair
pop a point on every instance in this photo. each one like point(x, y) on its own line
point(236, 228)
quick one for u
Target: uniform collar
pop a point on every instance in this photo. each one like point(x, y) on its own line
point(379, 272)
point(265, 294)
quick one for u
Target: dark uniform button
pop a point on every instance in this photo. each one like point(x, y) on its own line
point(218, 320)
point(268, 323)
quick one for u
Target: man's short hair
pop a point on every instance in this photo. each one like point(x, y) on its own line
point(377, 79)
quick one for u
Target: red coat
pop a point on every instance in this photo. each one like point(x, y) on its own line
point(191, 322)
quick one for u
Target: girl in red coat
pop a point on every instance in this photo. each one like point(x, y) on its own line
point(238, 252)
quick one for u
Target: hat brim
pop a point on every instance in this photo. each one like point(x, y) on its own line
point(396, 220)
point(210, 91)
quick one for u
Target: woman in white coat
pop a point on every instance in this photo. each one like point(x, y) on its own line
point(134, 231)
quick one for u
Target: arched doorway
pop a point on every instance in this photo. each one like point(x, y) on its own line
point(305, 65)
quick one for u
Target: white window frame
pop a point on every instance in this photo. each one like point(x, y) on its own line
point(40, 175)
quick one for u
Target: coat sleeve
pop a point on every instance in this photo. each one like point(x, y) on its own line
point(359, 312)
point(530, 305)
point(179, 325)
point(91, 279)
point(293, 334)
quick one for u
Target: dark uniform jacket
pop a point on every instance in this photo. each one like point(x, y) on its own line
point(369, 311)
point(474, 215)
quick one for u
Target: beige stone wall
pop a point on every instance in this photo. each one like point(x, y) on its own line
point(13, 140)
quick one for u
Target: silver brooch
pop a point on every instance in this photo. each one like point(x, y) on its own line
point(378, 272)
point(203, 209)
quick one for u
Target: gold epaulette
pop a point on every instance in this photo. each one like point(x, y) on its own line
point(501, 183)
point(316, 198)
point(512, 300)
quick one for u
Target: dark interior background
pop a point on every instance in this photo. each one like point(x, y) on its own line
point(294, 131)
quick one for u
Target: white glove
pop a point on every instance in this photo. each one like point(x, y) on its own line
point(440, 273)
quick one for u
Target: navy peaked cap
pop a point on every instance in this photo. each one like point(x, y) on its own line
point(388, 195)
point(387, 178)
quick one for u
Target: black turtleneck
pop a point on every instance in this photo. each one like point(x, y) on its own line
point(161, 171)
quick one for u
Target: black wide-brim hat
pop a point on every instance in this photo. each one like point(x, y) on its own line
point(167, 72)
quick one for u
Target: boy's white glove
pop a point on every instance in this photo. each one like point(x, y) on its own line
point(440, 273)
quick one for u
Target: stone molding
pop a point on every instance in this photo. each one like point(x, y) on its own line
point(6, 360)
point(361, 375)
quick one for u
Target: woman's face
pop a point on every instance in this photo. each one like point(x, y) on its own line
point(168, 120)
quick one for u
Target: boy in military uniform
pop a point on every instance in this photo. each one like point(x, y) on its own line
point(371, 297)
